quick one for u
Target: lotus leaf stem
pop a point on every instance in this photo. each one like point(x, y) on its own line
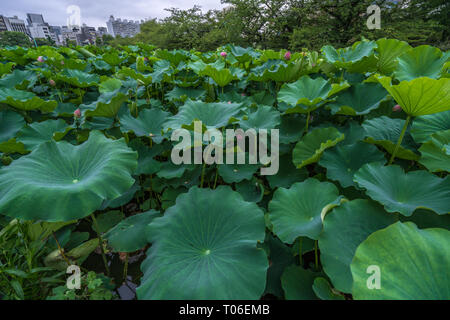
point(400, 139)
point(94, 220)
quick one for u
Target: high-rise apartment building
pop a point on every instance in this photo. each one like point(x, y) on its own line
point(17, 24)
point(123, 28)
point(4, 24)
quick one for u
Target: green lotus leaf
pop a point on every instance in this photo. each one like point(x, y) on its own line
point(109, 85)
point(388, 51)
point(404, 192)
point(36, 133)
point(287, 174)
point(412, 264)
point(62, 182)
point(420, 96)
point(308, 92)
point(264, 117)
point(19, 79)
point(344, 229)
point(113, 58)
point(25, 100)
point(422, 61)
point(435, 152)
point(311, 147)
point(129, 235)
point(98, 123)
point(212, 115)
point(107, 220)
point(251, 190)
point(149, 123)
point(182, 94)
point(6, 67)
point(237, 172)
point(424, 126)
point(12, 146)
point(384, 131)
point(107, 105)
point(199, 253)
point(296, 211)
point(220, 76)
point(359, 99)
point(146, 162)
point(170, 171)
point(343, 161)
point(324, 291)
point(10, 124)
point(78, 78)
point(297, 283)
point(352, 58)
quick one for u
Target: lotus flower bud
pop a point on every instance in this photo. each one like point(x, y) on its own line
point(229, 102)
point(62, 63)
point(243, 94)
point(223, 54)
point(287, 55)
point(52, 82)
point(77, 113)
point(397, 108)
point(40, 59)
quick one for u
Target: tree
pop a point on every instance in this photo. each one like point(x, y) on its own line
point(13, 38)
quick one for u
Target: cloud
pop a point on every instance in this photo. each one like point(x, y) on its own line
point(96, 12)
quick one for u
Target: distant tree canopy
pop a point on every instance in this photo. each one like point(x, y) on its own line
point(12, 38)
point(296, 24)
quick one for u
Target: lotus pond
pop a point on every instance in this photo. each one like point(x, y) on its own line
point(359, 208)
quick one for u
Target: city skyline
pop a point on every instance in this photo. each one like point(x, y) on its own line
point(96, 13)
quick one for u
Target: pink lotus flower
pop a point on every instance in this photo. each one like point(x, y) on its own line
point(397, 108)
point(77, 113)
point(40, 59)
point(223, 54)
point(52, 82)
point(62, 63)
point(229, 102)
point(243, 94)
point(287, 55)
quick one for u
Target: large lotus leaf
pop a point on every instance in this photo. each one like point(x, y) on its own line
point(6, 67)
point(296, 211)
point(182, 94)
point(36, 133)
point(220, 76)
point(385, 131)
point(359, 99)
point(344, 229)
point(19, 79)
point(353, 58)
point(129, 235)
point(422, 61)
point(203, 253)
point(149, 123)
point(412, 264)
point(25, 100)
point(78, 78)
point(109, 85)
point(308, 92)
point(63, 182)
point(388, 51)
point(297, 283)
point(343, 161)
point(264, 117)
point(212, 115)
point(435, 153)
point(424, 126)
point(404, 192)
point(311, 147)
point(10, 124)
point(420, 96)
point(107, 105)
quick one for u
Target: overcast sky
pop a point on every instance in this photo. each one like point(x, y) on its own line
point(96, 12)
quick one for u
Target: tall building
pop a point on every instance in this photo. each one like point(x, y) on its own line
point(35, 18)
point(17, 24)
point(4, 24)
point(123, 28)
